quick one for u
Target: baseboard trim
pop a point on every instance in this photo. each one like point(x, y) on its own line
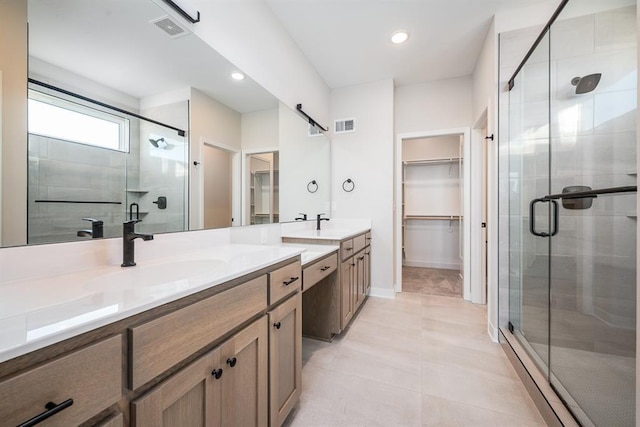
point(382, 293)
point(427, 264)
point(492, 331)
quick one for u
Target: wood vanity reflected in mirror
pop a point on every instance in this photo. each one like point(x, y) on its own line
point(118, 53)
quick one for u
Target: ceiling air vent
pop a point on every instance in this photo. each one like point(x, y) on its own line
point(345, 126)
point(314, 131)
point(169, 26)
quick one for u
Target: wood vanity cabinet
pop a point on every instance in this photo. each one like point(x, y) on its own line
point(202, 360)
point(83, 383)
point(347, 273)
point(355, 277)
point(285, 358)
point(225, 387)
point(285, 341)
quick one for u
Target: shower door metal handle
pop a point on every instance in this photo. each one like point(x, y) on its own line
point(556, 219)
point(532, 218)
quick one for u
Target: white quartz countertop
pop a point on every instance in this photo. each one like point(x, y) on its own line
point(312, 252)
point(39, 312)
point(326, 234)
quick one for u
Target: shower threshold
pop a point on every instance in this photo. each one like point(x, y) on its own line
point(554, 412)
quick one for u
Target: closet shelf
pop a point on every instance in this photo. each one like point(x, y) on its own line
point(434, 217)
point(432, 161)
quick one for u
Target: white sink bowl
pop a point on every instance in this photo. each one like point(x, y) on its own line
point(145, 276)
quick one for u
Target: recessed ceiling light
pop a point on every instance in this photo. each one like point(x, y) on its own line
point(399, 37)
point(237, 76)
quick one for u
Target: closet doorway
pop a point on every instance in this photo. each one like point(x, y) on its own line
point(431, 234)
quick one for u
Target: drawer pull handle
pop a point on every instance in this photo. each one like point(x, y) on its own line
point(293, 279)
point(325, 268)
point(348, 249)
point(232, 361)
point(360, 258)
point(52, 409)
point(277, 325)
point(368, 238)
point(217, 373)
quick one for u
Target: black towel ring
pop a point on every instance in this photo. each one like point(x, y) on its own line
point(348, 181)
point(310, 185)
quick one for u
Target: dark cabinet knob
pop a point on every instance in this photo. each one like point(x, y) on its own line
point(217, 373)
point(277, 325)
point(353, 265)
point(232, 361)
point(360, 258)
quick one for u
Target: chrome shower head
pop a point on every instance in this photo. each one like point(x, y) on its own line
point(586, 84)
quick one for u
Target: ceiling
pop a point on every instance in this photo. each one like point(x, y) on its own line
point(348, 41)
point(114, 43)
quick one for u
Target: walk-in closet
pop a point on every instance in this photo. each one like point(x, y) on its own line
point(432, 200)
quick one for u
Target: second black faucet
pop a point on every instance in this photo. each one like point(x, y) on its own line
point(318, 219)
point(128, 236)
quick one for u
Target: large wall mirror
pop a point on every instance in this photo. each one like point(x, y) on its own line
point(131, 116)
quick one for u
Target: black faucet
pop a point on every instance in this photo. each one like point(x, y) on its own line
point(97, 230)
point(302, 218)
point(318, 219)
point(128, 236)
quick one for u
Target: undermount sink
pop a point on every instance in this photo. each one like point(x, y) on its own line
point(142, 276)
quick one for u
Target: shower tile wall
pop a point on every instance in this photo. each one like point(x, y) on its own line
point(162, 172)
point(594, 144)
point(61, 170)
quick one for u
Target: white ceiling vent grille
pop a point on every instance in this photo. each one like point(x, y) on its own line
point(344, 126)
point(169, 26)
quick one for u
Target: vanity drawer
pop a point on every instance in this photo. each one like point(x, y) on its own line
point(367, 238)
point(92, 377)
point(358, 243)
point(284, 281)
point(158, 345)
point(317, 271)
point(346, 249)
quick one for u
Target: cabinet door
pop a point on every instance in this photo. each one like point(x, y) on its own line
point(360, 277)
point(244, 383)
point(367, 271)
point(285, 358)
point(346, 284)
point(70, 389)
point(190, 398)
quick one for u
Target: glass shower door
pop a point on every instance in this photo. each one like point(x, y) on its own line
point(592, 317)
point(529, 225)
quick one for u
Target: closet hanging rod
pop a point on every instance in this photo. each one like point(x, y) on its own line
point(432, 161)
point(311, 121)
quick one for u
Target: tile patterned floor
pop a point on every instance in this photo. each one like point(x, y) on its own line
point(417, 360)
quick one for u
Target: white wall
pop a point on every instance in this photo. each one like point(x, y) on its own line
point(302, 159)
point(366, 156)
point(259, 129)
point(441, 104)
point(248, 34)
point(213, 122)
